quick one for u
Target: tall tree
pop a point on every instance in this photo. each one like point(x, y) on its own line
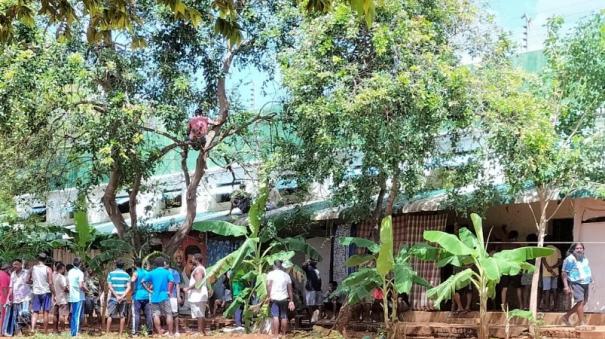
point(540, 128)
point(380, 95)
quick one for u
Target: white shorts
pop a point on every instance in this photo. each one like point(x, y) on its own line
point(549, 283)
point(198, 310)
point(174, 306)
point(312, 298)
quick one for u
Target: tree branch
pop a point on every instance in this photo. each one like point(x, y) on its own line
point(164, 134)
point(232, 130)
point(184, 167)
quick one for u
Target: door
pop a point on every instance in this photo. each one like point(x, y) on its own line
point(595, 232)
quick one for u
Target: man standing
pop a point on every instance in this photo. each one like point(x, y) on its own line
point(279, 290)
point(198, 293)
point(19, 293)
point(312, 289)
point(75, 281)
point(5, 280)
point(175, 296)
point(61, 310)
point(159, 282)
point(118, 282)
point(42, 283)
point(140, 299)
point(550, 275)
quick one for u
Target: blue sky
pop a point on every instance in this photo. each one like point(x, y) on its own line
point(507, 14)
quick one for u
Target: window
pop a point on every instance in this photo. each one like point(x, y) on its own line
point(172, 199)
point(40, 212)
point(123, 204)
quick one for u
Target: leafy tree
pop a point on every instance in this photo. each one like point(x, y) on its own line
point(468, 249)
point(541, 129)
point(379, 95)
point(380, 269)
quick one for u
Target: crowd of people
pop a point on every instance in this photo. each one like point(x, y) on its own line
point(149, 299)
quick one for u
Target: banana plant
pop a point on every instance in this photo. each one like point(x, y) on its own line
point(468, 249)
point(250, 262)
point(380, 269)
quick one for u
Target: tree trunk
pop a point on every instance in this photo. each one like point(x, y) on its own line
point(385, 304)
point(533, 298)
point(109, 202)
point(132, 203)
point(191, 199)
point(483, 315)
point(377, 215)
point(392, 194)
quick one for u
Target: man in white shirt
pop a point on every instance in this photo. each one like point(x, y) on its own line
point(19, 294)
point(198, 293)
point(42, 283)
point(61, 309)
point(279, 290)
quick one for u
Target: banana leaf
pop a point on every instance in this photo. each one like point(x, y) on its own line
point(283, 256)
point(385, 261)
point(445, 290)
point(257, 211)
point(523, 254)
point(357, 260)
point(298, 244)
point(221, 227)
point(449, 242)
point(360, 242)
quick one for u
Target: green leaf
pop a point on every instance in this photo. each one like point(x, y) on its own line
point(449, 242)
point(385, 261)
point(283, 256)
point(490, 266)
point(260, 288)
point(299, 244)
point(405, 277)
point(220, 227)
point(360, 284)
point(523, 254)
point(357, 260)
point(247, 247)
point(468, 238)
point(83, 229)
point(257, 211)
point(478, 226)
point(446, 289)
point(422, 251)
point(523, 314)
point(360, 242)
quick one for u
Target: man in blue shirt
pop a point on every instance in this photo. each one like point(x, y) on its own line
point(140, 297)
point(159, 282)
point(118, 282)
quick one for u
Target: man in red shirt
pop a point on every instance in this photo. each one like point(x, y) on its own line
point(5, 279)
point(198, 128)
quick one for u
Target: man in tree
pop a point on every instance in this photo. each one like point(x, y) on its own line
point(159, 282)
point(198, 128)
point(140, 299)
point(77, 286)
point(198, 293)
point(18, 293)
point(279, 290)
point(42, 285)
point(61, 309)
point(118, 282)
point(241, 199)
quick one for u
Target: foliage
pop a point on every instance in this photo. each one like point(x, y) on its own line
point(379, 269)
point(482, 270)
point(367, 104)
point(225, 16)
point(251, 261)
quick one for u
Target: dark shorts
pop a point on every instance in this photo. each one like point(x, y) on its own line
point(279, 309)
point(42, 302)
point(116, 310)
point(509, 281)
point(162, 308)
point(579, 291)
